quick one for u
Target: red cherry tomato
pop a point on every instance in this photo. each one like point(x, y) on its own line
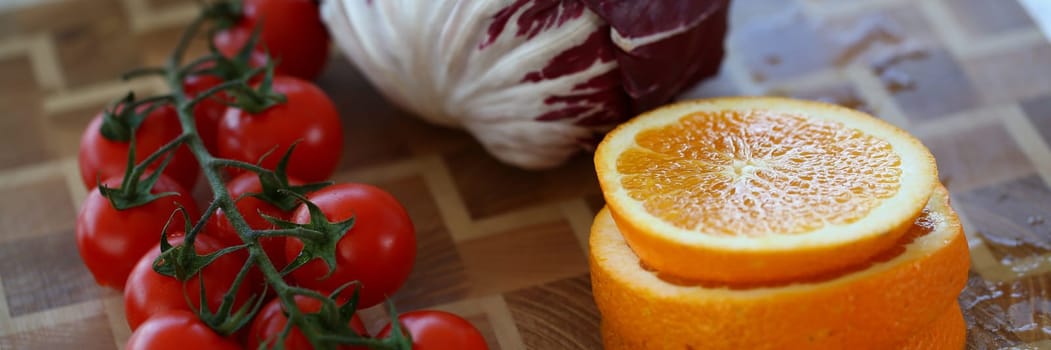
point(437, 330)
point(177, 330)
point(308, 116)
point(250, 208)
point(207, 112)
point(272, 318)
point(291, 31)
point(150, 293)
point(111, 241)
point(101, 158)
point(378, 251)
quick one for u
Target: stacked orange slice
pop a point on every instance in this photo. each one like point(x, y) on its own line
point(769, 223)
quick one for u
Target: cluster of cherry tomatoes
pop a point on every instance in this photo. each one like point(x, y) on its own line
point(119, 242)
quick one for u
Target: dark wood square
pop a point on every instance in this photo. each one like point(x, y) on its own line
point(489, 187)
point(90, 333)
point(940, 87)
point(438, 274)
point(21, 139)
point(985, 18)
point(1013, 218)
point(37, 208)
point(1039, 112)
point(978, 156)
point(34, 280)
point(558, 315)
point(95, 49)
point(523, 257)
point(1011, 75)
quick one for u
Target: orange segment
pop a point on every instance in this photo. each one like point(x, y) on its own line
point(761, 189)
point(876, 307)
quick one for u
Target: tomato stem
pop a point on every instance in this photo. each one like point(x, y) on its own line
point(134, 190)
point(211, 166)
point(205, 216)
point(154, 102)
point(231, 325)
point(199, 63)
point(285, 232)
point(168, 147)
point(212, 91)
point(239, 164)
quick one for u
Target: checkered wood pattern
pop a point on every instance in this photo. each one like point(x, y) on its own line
point(505, 247)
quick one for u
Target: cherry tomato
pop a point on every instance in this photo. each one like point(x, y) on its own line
point(101, 158)
point(150, 293)
point(378, 251)
point(272, 318)
point(308, 115)
point(291, 31)
point(250, 208)
point(177, 330)
point(436, 330)
point(207, 112)
point(111, 241)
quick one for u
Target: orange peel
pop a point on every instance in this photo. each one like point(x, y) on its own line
point(948, 332)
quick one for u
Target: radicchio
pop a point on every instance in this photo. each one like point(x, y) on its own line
point(534, 81)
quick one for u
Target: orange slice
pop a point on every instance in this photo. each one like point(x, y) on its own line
point(874, 306)
point(761, 189)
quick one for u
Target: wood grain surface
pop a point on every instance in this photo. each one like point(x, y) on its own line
point(505, 247)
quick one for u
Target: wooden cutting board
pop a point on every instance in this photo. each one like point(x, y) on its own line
point(505, 247)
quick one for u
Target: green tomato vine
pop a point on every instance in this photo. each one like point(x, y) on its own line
point(325, 329)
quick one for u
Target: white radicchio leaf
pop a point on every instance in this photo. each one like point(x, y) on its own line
point(533, 80)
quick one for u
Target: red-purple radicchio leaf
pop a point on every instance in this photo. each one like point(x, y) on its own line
point(654, 35)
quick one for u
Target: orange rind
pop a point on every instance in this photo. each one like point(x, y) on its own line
point(761, 190)
point(948, 332)
point(875, 305)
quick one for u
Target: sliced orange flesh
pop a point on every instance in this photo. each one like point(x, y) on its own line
point(879, 307)
point(761, 189)
point(758, 172)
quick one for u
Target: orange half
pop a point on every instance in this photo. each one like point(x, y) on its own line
point(948, 332)
point(761, 189)
point(874, 306)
